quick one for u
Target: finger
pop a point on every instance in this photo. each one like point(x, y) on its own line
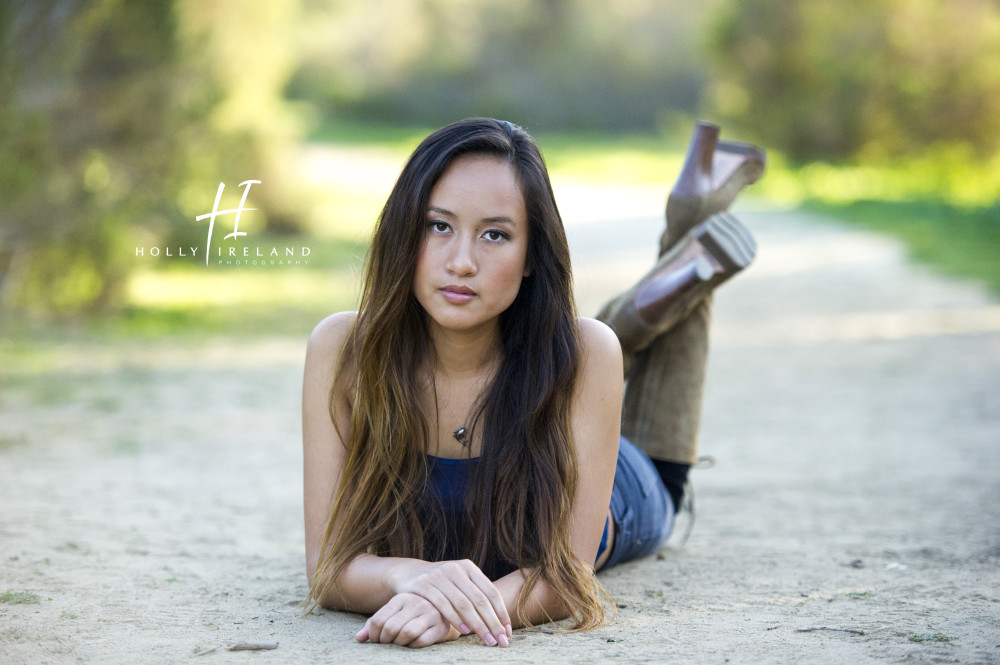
point(362, 635)
point(392, 627)
point(394, 617)
point(433, 635)
point(486, 606)
point(492, 593)
point(414, 629)
point(435, 597)
point(439, 589)
point(454, 580)
point(374, 629)
point(376, 622)
point(471, 604)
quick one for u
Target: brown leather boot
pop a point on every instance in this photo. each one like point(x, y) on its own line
point(713, 174)
point(661, 412)
point(705, 257)
point(662, 322)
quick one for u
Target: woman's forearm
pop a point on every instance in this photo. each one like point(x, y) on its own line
point(460, 592)
point(542, 604)
point(367, 583)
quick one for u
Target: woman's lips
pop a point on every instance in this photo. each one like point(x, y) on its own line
point(457, 294)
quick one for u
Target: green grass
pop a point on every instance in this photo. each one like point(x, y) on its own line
point(12, 441)
point(12, 597)
point(961, 241)
point(933, 637)
point(858, 595)
point(187, 300)
point(630, 158)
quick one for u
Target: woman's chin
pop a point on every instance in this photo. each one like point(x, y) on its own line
point(461, 321)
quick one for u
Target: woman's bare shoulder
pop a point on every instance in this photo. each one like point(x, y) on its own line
point(601, 350)
point(328, 336)
point(323, 352)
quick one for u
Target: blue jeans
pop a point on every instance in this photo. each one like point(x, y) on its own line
point(640, 506)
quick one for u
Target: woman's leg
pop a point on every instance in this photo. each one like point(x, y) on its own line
point(661, 413)
point(642, 510)
point(662, 322)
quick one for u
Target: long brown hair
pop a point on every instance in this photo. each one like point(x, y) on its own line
point(520, 494)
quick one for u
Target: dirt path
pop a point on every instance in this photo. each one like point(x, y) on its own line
point(151, 502)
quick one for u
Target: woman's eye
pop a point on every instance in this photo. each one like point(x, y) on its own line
point(493, 235)
point(439, 227)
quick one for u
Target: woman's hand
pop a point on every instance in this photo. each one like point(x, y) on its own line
point(462, 594)
point(408, 620)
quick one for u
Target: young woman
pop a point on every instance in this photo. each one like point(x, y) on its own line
point(464, 470)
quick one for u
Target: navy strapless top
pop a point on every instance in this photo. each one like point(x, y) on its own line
point(449, 478)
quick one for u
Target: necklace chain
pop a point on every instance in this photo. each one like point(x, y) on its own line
point(462, 433)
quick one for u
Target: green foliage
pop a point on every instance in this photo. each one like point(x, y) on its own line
point(236, 59)
point(119, 119)
point(117, 122)
point(549, 65)
point(866, 78)
point(83, 113)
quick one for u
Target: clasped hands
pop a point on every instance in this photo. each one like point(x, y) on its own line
point(439, 601)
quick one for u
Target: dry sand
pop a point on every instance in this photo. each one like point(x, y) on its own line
point(151, 502)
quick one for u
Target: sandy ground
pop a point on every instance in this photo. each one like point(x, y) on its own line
point(150, 504)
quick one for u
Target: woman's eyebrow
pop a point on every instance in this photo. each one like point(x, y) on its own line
point(440, 211)
point(498, 219)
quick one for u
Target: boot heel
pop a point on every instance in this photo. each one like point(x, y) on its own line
point(728, 241)
point(707, 255)
point(713, 175)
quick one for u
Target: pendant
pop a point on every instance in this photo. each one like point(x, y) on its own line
point(459, 435)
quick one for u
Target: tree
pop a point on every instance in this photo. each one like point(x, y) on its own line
point(87, 91)
point(112, 113)
point(548, 65)
point(865, 78)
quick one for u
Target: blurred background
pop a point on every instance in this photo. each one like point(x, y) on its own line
point(118, 121)
point(150, 466)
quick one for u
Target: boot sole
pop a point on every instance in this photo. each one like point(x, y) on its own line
point(666, 295)
point(728, 241)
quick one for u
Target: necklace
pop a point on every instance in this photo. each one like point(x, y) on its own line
point(462, 433)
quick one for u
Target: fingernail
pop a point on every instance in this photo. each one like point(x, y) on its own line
point(490, 640)
point(510, 631)
point(502, 640)
point(463, 629)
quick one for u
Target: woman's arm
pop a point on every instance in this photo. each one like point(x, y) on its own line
point(595, 421)
point(323, 450)
point(463, 595)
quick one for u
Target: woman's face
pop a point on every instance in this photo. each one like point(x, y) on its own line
point(475, 244)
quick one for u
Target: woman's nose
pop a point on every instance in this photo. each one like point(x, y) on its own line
point(461, 260)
